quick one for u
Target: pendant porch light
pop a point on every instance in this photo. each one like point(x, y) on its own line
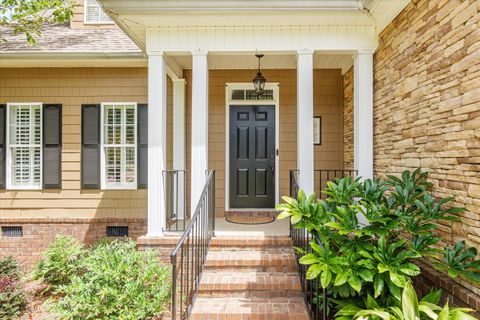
point(259, 80)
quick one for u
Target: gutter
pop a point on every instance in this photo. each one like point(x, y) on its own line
point(152, 6)
point(71, 54)
point(72, 59)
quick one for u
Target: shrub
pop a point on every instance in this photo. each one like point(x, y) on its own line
point(116, 282)
point(62, 260)
point(9, 267)
point(376, 259)
point(12, 297)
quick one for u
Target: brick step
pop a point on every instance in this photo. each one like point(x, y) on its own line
point(249, 308)
point(249, 284)
point(249, 243)
point(272, 260)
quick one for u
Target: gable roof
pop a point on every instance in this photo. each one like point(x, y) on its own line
point(62, 38)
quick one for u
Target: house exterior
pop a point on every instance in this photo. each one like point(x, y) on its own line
point(114, 115)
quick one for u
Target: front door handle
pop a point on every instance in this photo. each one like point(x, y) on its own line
point(272, 164)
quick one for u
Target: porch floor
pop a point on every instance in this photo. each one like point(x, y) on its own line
point(276, 228)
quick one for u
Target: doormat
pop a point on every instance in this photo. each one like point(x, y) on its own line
point(251, 217)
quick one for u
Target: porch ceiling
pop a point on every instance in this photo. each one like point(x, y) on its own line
point(138, 17)
point(270, 61)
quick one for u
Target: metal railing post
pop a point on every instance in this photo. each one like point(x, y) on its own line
point(301, 239)
point(193, 243)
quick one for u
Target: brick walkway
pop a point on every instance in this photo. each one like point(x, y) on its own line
point(250, 278)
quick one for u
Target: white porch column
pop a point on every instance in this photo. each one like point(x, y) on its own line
point(157, 142)
point(199, 125)
point(305, 120)
point(363, 114)
point(179, 140)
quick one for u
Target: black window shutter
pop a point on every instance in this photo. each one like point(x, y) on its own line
point(3, 144)
point(52, 146)
point(142, 146)
point(90, 174)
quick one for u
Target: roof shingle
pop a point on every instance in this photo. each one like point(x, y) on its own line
point(61, 38)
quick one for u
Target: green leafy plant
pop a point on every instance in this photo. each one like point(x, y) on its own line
point(408, 308)
point(116, 282)
point(369, 233)
point(62, 261)
point(13, 300)
point(460, 261)
point(28, 16)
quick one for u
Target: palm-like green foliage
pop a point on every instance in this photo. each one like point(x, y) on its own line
point(460, 261)
point(29, 16)
point(374, 259)
point(409, 308)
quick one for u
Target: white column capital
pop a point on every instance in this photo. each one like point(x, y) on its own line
point(305, 52)
point(364, 51)
point(156, 53)
point(179, 81)
point(200, 53)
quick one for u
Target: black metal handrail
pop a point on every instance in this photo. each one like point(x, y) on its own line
point(301, 238)
point(174, 184)
point(323, 176)
point(189, 255)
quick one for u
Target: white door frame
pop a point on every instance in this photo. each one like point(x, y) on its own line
point(276, 103)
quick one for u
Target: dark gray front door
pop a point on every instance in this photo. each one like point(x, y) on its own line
point(252, 156)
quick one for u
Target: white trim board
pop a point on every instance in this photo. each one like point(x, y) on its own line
point(275, 86)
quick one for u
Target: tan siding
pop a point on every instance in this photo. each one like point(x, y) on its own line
point(73, 87)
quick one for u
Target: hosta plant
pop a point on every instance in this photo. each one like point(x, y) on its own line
point(368, 234)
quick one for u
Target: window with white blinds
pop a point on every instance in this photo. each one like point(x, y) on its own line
point(24, 158)
point(94, 13)
point(119, 145)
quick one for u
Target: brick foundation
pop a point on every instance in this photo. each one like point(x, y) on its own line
point(39, 233)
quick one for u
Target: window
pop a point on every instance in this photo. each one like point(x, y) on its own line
point(94, 13)
point(242, 94)
point(119, 148)
point(24, 151)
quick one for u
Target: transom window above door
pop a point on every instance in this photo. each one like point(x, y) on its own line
point(250, 95)
point(119, 145)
